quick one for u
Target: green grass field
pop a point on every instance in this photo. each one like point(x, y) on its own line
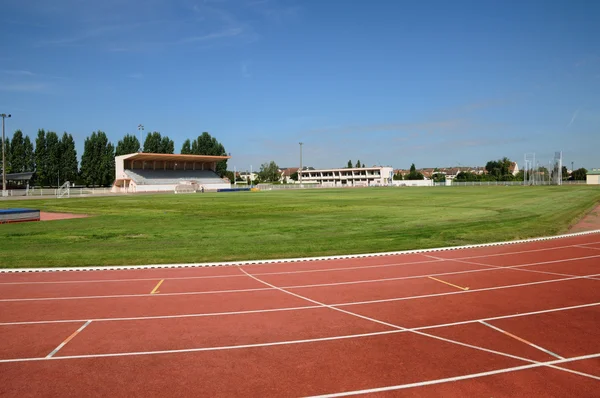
point(152, 229)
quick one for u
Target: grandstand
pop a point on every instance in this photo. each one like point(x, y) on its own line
point(160, 172)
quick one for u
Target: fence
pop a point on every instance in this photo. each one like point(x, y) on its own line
point(33, 192)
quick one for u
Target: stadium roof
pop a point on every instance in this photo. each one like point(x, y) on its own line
point(149, 157)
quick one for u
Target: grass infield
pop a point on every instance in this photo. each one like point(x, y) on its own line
point(167, 228)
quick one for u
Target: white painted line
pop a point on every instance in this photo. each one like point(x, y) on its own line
point(288, 260)
point(395, 264)
point(521, 339)
point(464, 377)
point(296, 308)
point(479, 348)
point(511, 316)
point(188, 350)
point(487, 268)
point(462, 291)
point(61, 345)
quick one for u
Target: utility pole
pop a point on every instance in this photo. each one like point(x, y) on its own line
point(300, 171)
point(4, 192)
point(141, 128)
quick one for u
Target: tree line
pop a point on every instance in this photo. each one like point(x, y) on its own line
point(54, 159)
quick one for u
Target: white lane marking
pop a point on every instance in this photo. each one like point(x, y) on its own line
point(293, 308)
point(187, 350)
point(585, 247)
point(302, 259)
point(524, 269)
point(374, 320)
point(132, 295)
point(521, 339)
point(518, 315)
point(144, 318)
point(488, 268)
point(395, 264)
point(465, 377)
point(61, 345)
point(462, 291)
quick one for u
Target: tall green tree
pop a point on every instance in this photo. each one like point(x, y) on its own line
point(349, 165)
point(269, 172)
point(186, 148)
point(155, 143)
point(98, 160)
point(414, 174)
point(29, 154)
point(205, 144)
point(41, 158)
point(129, 144)
point(17, 153)
point(53, 152)
point(68, 159)
point(358, 165)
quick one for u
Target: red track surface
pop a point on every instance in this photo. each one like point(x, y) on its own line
point(405, 325)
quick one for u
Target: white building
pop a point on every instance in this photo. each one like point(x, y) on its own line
point(352, 177)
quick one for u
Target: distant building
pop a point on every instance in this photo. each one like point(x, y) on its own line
point(593, 177)
point(352, 177)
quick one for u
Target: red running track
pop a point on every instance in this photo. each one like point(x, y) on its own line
point(511, 320)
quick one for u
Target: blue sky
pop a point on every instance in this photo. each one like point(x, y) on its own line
point(389, 82)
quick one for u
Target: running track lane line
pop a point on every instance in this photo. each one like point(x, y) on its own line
point(290, 308)
point(279, 343)
point(488, 268)
point(402, 329)
point(582, 245)
point(142, 318)
point(465, 377)
point(521, 340)
point(520, 268)
point(61, 345)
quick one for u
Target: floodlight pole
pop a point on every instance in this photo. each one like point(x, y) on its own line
point(141, 128)
point(300, 172)
point(4, 193)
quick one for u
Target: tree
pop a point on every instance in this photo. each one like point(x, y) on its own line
point(349, 166)
point(53, 150)
point(414, 174)
point(358, 164)
point(155, 143)
point(68, 159)
point(269, 172)
point(438, 177)
point(41, 159)
point(565, 172)
point(397, 177)
point(16, 155)
point(205, 144)
point(186, 148)
point(29, 155)
point(579, 174)
point(98, 160)
point(129, 144)
point(294, 176)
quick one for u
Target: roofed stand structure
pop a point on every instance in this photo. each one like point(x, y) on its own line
point(160, 172)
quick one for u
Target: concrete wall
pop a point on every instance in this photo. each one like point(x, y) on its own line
point(413, 183)
point(593, 179)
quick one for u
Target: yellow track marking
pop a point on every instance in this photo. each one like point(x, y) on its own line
point(155, 290)
point(448, 283)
